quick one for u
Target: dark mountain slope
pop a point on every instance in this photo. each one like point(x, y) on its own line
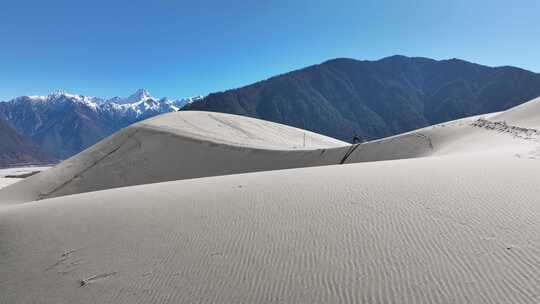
point(17, 149)
point(61, 127)
point(377, 98)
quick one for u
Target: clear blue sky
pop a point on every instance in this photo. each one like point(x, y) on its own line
point(182, 48)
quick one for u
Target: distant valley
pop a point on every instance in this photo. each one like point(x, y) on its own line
point(18, 149)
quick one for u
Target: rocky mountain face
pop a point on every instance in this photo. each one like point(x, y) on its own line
point(18, 149)
point(64, 124)
point(377, 98)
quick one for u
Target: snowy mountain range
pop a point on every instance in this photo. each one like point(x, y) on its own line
point(63, 124)
point(139, 103)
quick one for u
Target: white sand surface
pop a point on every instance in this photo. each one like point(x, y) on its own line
point(435, 230)
point(526, 115)
point(17, 171)
point(445, 214)
point(4, 182)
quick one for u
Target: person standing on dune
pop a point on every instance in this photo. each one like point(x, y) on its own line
point(356, 139)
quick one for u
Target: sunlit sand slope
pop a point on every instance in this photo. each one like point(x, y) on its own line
point(450, 229)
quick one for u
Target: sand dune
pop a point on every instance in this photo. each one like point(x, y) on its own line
point(185, 145)
point(177, 146)
point(525, 115)
point(445, 214)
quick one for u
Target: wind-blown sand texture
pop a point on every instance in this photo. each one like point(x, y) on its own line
point(445, 214)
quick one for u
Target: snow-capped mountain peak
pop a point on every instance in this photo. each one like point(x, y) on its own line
point(60, 96)
point(139, 105)
point(139, 95)
point(142, 103)
point(67, 123)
